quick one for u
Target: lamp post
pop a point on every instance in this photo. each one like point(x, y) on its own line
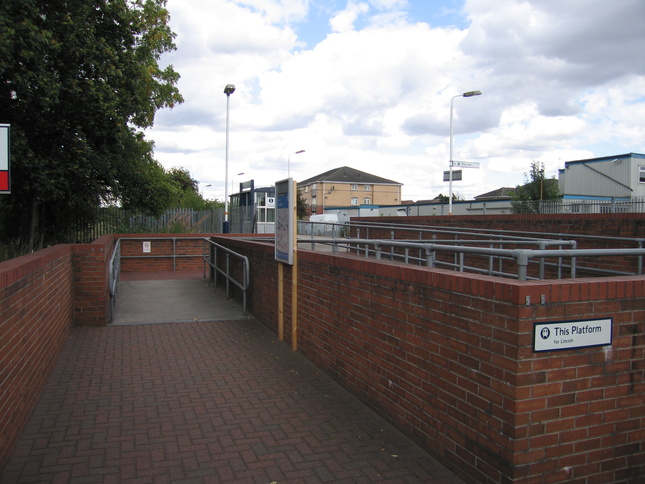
point(289, 162)
point(466, 94)
point(202, 191)
point(233, 179)
point(228, 90)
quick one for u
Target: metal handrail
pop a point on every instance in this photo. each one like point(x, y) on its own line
point(115, 271)
point(522, 257)
point(510, 235)
point(497, 237)
point(212, 262)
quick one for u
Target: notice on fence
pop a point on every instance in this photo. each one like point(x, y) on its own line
point(565, 335)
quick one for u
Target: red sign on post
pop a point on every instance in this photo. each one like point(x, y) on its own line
point(5, 169)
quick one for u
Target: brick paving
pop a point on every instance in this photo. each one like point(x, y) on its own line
point(221, 401)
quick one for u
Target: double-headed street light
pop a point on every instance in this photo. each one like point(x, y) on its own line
point(228, 90)
point(466, 94)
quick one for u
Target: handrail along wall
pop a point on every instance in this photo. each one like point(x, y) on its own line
point(211, 258)
point(115, 271)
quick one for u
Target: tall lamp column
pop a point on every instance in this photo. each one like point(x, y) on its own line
point(228, 90)
point(466, 94)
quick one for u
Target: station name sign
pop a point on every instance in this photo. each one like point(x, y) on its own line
point(565, 335)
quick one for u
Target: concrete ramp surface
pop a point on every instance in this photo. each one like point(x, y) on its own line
point(171, 301)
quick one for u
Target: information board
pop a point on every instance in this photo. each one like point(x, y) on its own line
point(284, 221)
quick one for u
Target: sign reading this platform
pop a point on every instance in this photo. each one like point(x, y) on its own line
point(565, 335)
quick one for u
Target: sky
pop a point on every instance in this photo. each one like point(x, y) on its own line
point(370, 84)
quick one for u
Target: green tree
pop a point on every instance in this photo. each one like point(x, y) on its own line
point(186, 191)
point(527, 197)
point(301, 206)
point(78, 79)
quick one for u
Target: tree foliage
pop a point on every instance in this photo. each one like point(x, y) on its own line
point(78, 80)
point(186, 191)
point(527, 197)
point(302, 208)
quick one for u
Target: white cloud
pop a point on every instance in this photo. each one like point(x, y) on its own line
point(344, 20)
point(561, 80)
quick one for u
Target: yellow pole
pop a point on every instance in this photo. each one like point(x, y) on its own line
point(294, 302)
point(294, 274)
point(280, 301)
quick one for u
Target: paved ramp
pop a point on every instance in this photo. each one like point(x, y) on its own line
point(172, 301)
point(202, 403)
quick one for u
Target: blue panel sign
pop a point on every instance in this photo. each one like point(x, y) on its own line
point(284, 221)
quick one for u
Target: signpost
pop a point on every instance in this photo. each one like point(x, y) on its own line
point(5, 166)
point(286, 252)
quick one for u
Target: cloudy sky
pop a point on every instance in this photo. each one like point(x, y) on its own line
point(369, 83)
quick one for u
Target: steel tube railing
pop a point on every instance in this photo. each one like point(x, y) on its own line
point(115, 271)
point(522, 257)
point(244, 284)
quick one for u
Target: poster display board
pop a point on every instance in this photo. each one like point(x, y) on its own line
point(5, 167)
point(284, 221)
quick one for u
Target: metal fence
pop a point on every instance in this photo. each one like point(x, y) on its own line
point(564, 206)
point(113, 220)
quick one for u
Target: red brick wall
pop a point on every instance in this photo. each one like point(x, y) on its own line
point(91, 281)
point(36, 303)
point(631, 225)
point(448, 357)
point(189, 248)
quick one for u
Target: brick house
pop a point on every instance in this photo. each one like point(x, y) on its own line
point(348, 187)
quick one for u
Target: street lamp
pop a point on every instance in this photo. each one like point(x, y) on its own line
point(205, 186)
point(466, 94)
point(289, 162)
point(232, 179)
point(228, 90)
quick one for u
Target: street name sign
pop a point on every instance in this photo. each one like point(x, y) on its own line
point(466, 164)
point(566, 335)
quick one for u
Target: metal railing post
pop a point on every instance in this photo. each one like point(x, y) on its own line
point(228, 274)
point(522, 258)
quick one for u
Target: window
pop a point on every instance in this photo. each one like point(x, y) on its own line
point(641, 174)
point(354, 201)
point(368, 188)
point(354, 187)
point(367, 201)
